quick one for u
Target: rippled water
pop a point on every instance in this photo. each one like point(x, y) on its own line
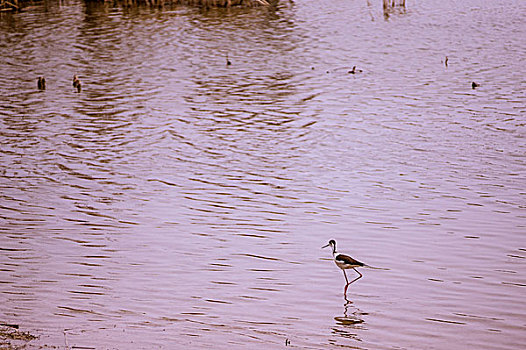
point(178, 202)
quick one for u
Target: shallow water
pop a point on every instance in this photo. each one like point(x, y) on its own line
point(178, 202)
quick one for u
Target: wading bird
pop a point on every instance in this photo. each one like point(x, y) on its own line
point(345, 262)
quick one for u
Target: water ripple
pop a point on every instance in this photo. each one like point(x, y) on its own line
point(187, 199)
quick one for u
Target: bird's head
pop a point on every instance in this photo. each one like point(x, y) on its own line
point(332, 244)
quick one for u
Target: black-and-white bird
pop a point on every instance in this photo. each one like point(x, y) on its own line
point(345, 262)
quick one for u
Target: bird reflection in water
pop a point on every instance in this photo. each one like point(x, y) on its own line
point(347, 326)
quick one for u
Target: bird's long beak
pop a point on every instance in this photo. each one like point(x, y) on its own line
point(325, 246)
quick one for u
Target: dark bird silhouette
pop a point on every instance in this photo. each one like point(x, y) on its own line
point(445, 61)
point(474, 85)
point(228, 63)
point(76, 83)
point(41, 83)
point(353, 70)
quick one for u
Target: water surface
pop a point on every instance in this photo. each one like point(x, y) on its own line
point(178, 202)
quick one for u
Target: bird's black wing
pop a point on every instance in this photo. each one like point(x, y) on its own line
point(346, 259)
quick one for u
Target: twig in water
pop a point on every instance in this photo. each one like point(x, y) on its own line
point(65, 340)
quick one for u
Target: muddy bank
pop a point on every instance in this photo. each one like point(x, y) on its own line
point(11, 337)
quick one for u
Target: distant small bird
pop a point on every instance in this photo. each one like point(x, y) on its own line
point(76, 83)
point(228, 63)
point(353, 70)
point(41, 83)
point(445, 61)
point(345, 262)
point(474, 85)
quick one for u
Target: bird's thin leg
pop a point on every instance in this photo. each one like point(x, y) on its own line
point(345, 275)
point(346, 284)
point(357, 278)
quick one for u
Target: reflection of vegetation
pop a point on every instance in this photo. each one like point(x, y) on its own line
point(9, 5)
point(14, 5)
point(11, 338)
point(393, 6)
point(200, 3)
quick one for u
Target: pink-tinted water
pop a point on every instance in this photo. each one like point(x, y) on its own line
point(178, 202)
